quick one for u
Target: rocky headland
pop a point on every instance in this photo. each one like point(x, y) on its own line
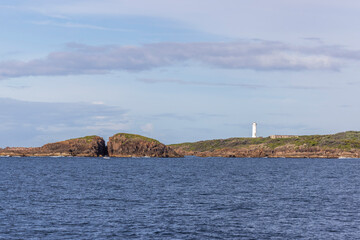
point(119, 145)
point(132, 145)
point(340, 145)
point(90, 146)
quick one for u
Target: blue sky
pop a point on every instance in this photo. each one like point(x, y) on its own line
point(177, 70)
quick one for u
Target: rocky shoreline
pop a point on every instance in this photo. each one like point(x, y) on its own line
point(281, 152)
point(341, 145)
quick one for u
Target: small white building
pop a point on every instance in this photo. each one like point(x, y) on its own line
point(254, 130)
point(283, 136)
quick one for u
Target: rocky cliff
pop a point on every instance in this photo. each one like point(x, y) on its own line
point(340, 145)
point(131, 145)
point(90, 146)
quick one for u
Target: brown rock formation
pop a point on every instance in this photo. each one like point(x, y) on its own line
point(131, 145)
point(91, 146)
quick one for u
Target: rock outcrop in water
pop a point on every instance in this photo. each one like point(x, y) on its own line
point(131, 145)
point(340, 145)
point(90, 146)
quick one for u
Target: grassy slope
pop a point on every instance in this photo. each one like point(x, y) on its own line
point(87, 138)
point(135, 137)
point(344, 140)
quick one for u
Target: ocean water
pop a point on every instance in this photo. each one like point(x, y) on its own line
point(189, 198)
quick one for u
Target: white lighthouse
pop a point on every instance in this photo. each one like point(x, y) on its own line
point(254, 130)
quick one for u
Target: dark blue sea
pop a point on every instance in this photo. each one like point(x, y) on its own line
point(189, 198)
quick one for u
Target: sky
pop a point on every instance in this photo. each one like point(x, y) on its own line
point(177, 71)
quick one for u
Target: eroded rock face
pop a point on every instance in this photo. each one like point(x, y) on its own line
point(91, 146)
point(131, 145)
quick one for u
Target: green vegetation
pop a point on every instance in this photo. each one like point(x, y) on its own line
point(136, 137)
point(345, 141)
point(87, 138)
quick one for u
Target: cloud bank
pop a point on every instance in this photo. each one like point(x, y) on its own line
point(255, 55)
point(35, 123)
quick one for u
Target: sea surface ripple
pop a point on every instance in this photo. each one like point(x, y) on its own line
point(188, 198)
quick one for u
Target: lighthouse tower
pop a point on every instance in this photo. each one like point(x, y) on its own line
point(254, 130)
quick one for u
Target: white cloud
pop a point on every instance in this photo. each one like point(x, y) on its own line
point(100, 117)
point(200, 83)
point(276, 19)
point(252, 54)
point(147, 128)
point(115, 126)
point(98, 103)
point(68, 24)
